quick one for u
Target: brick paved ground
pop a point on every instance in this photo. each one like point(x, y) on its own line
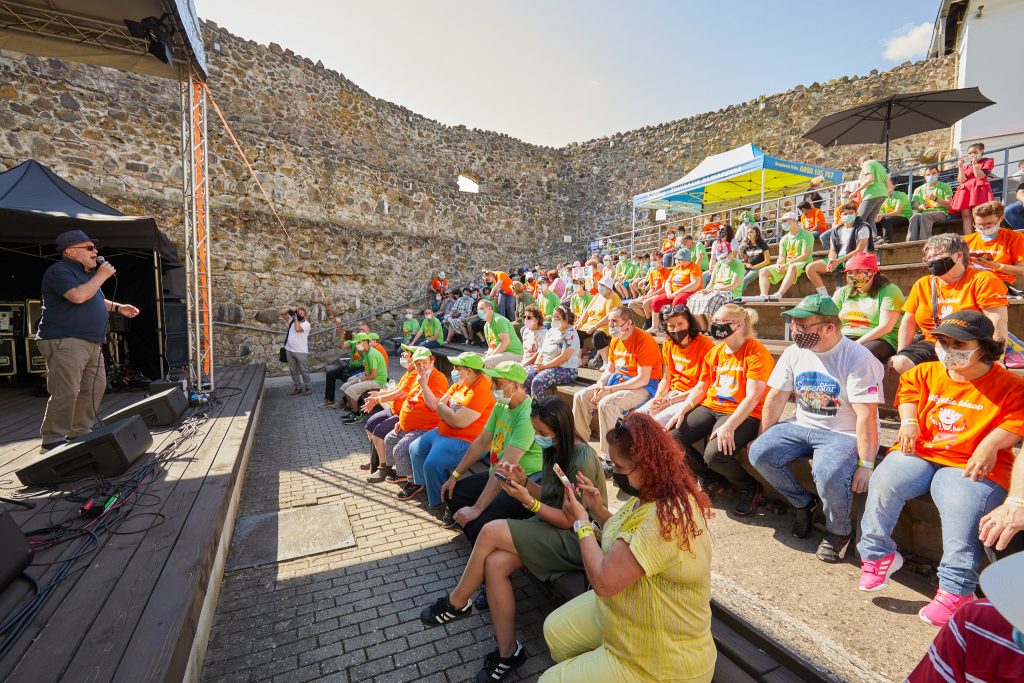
point(350, 615)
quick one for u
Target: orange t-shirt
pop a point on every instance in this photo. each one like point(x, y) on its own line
point(954, 417)
point(629, 355)
point(503, 281)
point(406, 383)
point(1007, 248)
point(727, 373)
point(438, 285)
point(668, 244)
point(684, 275)
point(415, 414)
point(532, 288)
point(477, 397)
point(656, 278)
point(813, 221)
point(977, 290)
point(377, 345)
point(686, 365)
point(711, 228)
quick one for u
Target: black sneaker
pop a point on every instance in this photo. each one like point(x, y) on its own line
point(480, 601)
point(712, 487)
point(410, 490)
point(448, 521)
point(351, 419)
point(832, 548)
point(380, 475)
point(803, 520)
point(394, 477)
point(748, 502)
point(497, 667)
point(442, 612)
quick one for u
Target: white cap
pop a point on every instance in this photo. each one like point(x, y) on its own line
point(529, 275)
point(1002, 583)
point(607, 281)
point(789, 216)
point(441, 274)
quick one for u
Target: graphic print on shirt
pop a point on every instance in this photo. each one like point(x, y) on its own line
point(726, 387)
point(856, 312)
point(948, 424)
point(497, 445)
point(817, 393)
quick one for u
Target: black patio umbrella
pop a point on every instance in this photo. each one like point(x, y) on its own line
point(896, 117)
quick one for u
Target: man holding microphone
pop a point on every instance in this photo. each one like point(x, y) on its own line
point(71, 335)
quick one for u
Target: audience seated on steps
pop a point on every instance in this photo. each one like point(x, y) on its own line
point(725, 283)
point(557, 358)
point(677, 286)
point(579, 298)
point(1015, 210)
point(547, 301)
point(930, 204)
point(502, 341)
point(854, 237)
point(849, 194)
point(895, 213)
point(724, 241)
point(953, 285)
point(973, 188)
point(959, 419)
point(462, 412)
point(796, 250)
point(652, 287)
point(698, 250)
point(684, 357)
point(629, 379)
point(593, 324)
point(870, 306)
point(994, 248)
point(379, 424)
point(838, 388)
point(812, 219)
point(754, 254)
point(431, 333)
point(459, 317)
point(724, 408)
point(373, 377)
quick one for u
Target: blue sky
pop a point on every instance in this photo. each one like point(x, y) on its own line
point(558, 71)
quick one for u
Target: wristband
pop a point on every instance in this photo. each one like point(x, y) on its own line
point(455, 474)
point(865, 464)
point(1015, 501)
point(999, 266)
point(909, 421)
point(534, 506)
point(584, 531)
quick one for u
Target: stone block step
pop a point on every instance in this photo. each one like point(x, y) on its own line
point(903, 275)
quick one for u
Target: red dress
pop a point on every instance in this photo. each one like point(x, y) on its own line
point(973, 191)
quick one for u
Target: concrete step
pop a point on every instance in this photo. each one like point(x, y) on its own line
point(903, 275)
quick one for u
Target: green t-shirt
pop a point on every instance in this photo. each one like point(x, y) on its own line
point(922, 204)
point(583, 459)
point(409, 329)
point(548, 303)
point(700, 255)
point(878, 186)
point(723, 272)
point(900, 198)
point(499, 324)
point(620, 269)
point(578, 303)
point(791, 245)
point(512, 427)
point(373, 360)
point(632, 268)
point(524, 300)
point(429, 327)
point(860, 314)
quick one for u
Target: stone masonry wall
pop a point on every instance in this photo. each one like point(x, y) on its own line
point(367, 189)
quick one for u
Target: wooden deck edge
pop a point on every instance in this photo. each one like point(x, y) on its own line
point(201, 639)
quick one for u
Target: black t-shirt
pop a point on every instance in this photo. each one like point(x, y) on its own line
point(752, 254)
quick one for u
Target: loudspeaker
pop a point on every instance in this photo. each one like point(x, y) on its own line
point(12, 318)
point(175, 317)
point(106, 452)
point(175, 334)
point(158, 410)
point(174, 283)
point(34, 360)
point(8, 357)
point(34, 310)
point(16, 555)
point(158, 385)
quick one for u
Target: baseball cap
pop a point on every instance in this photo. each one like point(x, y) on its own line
point(508, 369)
point(468, 359)
point(1002, 582)
point(965, 326)
point(863, 260)
point(66, 239)
point(362, 336)
point(683, 255)
point(815, 304)
point(419, 352)
point(789, 216)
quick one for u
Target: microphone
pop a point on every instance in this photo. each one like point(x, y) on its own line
point(100, 259)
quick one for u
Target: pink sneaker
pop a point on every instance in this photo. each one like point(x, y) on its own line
point(941, 608)
point(874, 574)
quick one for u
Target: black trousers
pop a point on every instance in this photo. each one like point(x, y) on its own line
point(340, 374)
point(713, 464)
point(601, 339)
point(890, 223)
point(476, 326)
point(468, 489)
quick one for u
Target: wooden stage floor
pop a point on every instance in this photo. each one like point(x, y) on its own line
point(138, 605)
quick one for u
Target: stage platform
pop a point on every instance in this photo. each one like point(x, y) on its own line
point(139, 607)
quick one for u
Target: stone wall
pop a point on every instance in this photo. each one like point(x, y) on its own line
point(367, 189)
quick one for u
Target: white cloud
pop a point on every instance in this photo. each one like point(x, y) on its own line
point(911, 42)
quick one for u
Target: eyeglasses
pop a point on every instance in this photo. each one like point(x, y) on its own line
point(677, 310)
point(87, 247)
point(803, 328)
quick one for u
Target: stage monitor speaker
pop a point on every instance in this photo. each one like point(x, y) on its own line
point(36, 364)
point(158, 385)
point(158, 410)
point(105, 452)
point(8, 357)
point(16, 555)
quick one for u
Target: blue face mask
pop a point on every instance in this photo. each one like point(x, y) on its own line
point(544, 441)
point(456, 376)
point(987, 237)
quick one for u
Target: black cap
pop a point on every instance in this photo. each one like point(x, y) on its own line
point(965, 326)
point(66, 239)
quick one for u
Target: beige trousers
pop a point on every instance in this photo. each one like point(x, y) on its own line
point(492, 361)
point(609, 409)
point(76, 380)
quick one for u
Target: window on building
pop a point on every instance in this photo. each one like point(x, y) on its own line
point(469, 182)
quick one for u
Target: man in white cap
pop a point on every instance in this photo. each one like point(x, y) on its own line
point(71, 335)
point(796, 250)
point(593, 323)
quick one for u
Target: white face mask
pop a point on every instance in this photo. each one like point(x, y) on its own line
point(404, 362)
point(931, 179)
point(408, 316)
point(428, 316)
point(500, 397)
point(954, 359)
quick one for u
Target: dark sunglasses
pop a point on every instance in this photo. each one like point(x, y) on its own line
point(88, 247)
point(676, 310)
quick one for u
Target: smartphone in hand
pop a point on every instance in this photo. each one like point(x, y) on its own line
point(565, 479)
point(502, 477)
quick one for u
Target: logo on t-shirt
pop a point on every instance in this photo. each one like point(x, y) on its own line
point(726, 388)
point(817, 393)
point(948, 424)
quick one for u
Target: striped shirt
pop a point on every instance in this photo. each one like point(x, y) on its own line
point(976, 645)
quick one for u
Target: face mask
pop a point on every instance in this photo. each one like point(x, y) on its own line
point(604, 291)
point(679, 337)
point(849, 218)
point(403, 362)
point(720, 331)
point(954, 359)
point(556, 325)
point(806, 340)
point(789, 225)
point(622, 481)
point(482, 316)
point(940, 266)
point(931, 179)
point(989, 234)
point(544, 441)
point(408, 316)
point(456, 376)
point(363, 348)
point(856, 281)
point(615, 332)
point(500, 397)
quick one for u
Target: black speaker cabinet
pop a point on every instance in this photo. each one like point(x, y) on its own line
point(159, 385)
point(12, 318)
point(106, 452)
point(158, 410)
point(36, 364)
point(8, 357)
point(16, 555)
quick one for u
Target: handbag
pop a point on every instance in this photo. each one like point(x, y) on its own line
point(282, 355)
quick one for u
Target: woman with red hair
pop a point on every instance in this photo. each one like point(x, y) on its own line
point(648, 617)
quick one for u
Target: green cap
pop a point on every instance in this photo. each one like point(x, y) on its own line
point(468, 359)
point(508, 369)
point(815, 304)
point(410, 348)
point(362, 336)
point(373, 336)
point(419, 352)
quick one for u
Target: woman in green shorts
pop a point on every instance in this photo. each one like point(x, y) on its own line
point(869, 306)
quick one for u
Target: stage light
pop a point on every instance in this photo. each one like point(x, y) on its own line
point(157, 32)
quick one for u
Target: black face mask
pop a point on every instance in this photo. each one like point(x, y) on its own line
point(720, 331)
point(622, 481)
point(940, 266)
point(679, 337)
point(300, 318)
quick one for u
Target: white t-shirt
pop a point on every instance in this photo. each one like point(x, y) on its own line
point(844, 236)
point(826, 384)
point(298, 342)
point(556, 343)
point(532, 339)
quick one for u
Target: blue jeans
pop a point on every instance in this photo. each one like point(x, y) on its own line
point(1014, 215)
point(826, 238)
point(835, 460)
point(429, 344)
point(961, 503)
point(433, 457)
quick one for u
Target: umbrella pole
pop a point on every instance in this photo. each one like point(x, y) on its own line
point(888, 121)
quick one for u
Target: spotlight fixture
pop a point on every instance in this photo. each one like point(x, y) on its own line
point(157, 32)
